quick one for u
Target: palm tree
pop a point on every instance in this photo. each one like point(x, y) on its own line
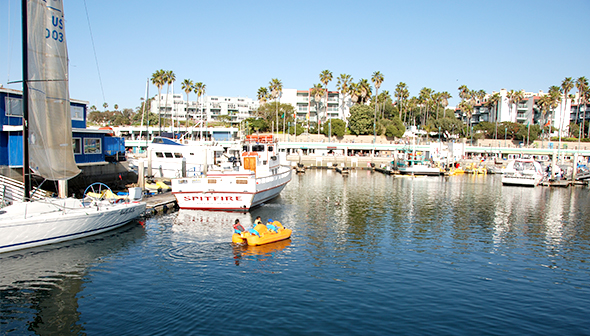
point(276, 88)
point(377, 79)
point(401, 93)
point(317, 91)
point(364, 90)
point(105, 105)
point(466, 107)
point(445, 96)
point(518, 96)
point(425, 98)
point(187, 86)
point(354, 93)
point(325, 78)
point(566, 86)
point(383, 97)
point(464, 92)
point(493, 101)
point(582, 86)
point(514, 98)
point(198, 89)
point(169, 78)
point(158, 81)
point(343, 86)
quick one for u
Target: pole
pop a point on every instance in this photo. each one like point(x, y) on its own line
point(26, 173)
point(505, 132)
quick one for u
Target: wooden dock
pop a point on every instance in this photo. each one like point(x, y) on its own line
point(559, 184)
point(160, 203)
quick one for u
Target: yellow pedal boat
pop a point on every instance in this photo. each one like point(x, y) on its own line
point(264, 236)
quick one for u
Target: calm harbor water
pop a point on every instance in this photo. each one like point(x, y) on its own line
point(370, 255)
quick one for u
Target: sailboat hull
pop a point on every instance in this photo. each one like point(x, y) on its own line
point(31, 224)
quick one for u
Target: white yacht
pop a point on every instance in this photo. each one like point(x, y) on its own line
point(523, 172)
point(236, 183)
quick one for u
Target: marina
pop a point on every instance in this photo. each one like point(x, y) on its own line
point(237, 195)
point(369, 254)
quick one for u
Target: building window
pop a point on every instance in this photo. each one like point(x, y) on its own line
point(77, 144)
point(77, 112)
point(14, 106)
point(92, 146)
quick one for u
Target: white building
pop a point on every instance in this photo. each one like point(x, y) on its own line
point(208, 108)
point(307, 107)
point(525, 111)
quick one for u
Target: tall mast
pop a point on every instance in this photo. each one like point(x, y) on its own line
point(26, 173)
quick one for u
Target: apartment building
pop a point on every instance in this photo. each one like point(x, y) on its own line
point(524, 111)
point(208, 108)
point(308, 108)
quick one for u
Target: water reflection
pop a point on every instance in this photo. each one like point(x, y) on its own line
point(39, 287)
point(260, 253)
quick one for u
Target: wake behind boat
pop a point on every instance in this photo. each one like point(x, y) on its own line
point(236, 183)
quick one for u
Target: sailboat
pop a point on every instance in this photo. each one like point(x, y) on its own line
point(47, 145)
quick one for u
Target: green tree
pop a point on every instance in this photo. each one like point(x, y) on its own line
point(402, 94)
point(263, 95)
point(325, 78)
point(343, 85)
point(285, 112)
point(299, 129)
point(256, 125)
point(187, 85)
point(338, 127)
point(158, 81)
point(276, 89)
point(566, 86)
point(493, 101)
point(582, 86)
point(377, 79)
point(395, 128)
point(316, 94)
point(169, 78)
point(360, 121)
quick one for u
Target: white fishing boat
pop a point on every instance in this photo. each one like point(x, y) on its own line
point(47, 145)
point(170, 159)
point(236, 183)
point(523, 172)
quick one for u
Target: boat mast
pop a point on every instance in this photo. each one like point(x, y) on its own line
point(26, 172)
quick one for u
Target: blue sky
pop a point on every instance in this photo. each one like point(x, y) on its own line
point(235, 47)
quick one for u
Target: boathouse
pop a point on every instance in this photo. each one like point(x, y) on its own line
point(94, 149)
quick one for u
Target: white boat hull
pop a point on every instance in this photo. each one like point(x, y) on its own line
point(521, 181)
point(227, 194)
point(522, 172)
point(27, 225)
point(420, 170)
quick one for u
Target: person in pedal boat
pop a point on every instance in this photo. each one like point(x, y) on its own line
point(238, 228)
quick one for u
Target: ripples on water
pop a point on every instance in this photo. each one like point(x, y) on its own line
point(370, 255)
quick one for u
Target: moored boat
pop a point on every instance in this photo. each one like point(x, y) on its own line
point(48, 147)
point(236, 183)
point(523, 172)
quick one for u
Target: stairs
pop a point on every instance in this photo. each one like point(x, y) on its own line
point(12, 190)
